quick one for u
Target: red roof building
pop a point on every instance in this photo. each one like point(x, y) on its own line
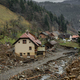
point(27, 45)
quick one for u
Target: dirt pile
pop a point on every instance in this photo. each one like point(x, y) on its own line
point(73, 70)
point(9, 60)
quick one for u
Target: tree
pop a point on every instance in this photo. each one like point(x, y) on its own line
point(46, 21)
point(22, 5)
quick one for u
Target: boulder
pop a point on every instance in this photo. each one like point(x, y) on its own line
point(78, 78)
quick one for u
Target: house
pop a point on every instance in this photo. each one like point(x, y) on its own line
point(64, 36)
point(26, 46)
point(52, 35)
point(75, 37)
point(43, 35)
point(47, 32)
point(41, 50)
point(56, 33)
point(50, 44)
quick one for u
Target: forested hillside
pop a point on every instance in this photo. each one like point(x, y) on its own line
point(34, 13)
point(38, 17)
point(70, 9)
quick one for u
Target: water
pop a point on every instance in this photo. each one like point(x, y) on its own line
point(45, 77)
point(60, 70)
point(63, 63)
point(56, 66)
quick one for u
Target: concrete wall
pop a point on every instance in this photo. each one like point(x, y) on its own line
point(24, 48)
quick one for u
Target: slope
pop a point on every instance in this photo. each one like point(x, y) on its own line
point(70, 11)
point(6, 15)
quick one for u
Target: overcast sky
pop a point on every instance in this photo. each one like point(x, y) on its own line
point(49, 0)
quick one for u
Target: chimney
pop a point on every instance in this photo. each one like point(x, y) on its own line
point(27, 32)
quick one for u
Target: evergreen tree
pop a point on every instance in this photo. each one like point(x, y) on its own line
point(22, 5)
point(46, 21)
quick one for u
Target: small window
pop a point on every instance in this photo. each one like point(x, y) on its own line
point(24, 41)
point(29, 41)
point(28, 54)
point(20, 54)
point(30, 48)
point(24, 53)
point(18, 41)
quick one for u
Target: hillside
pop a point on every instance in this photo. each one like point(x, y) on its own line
point(70, 11)
point(76, 2)
point(11, 24)
point(16, 20)
point(6, 15)
point(38, 16)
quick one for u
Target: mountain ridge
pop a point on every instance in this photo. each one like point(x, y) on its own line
point(71, 12)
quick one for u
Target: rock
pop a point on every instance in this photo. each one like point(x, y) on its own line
point(21, 79)
point(72, 76)
point(21, 76)
point(79, 58)
point(76, 54)
point(66, 78)
point(21, 62)
point(78, 78)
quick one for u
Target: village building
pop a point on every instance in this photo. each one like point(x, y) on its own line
point(75, 38)
point(51, 44)
point(43, 35)
point(26, 46)
point(64, 36)
point(47, 32)
point(56, 34)
point(41, 50)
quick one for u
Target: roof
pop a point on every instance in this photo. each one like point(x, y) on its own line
point(75, 36)
point(44, 33)
point(31, 37)
point(56, 33)
point(53, 42)
point(47, 32)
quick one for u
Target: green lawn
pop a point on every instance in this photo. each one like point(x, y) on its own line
point(69, 44)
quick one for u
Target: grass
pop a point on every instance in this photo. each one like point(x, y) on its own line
point(7, 15)
point(69, 44)
point(6, 39)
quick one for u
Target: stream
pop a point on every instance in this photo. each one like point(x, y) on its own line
point(58, 66)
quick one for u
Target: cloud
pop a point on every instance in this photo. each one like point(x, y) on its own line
point(56, 1)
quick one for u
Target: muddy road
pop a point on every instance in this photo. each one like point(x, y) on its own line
point(6, 75)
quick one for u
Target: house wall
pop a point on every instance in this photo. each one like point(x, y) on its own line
point(42, 36)
point(24, 48)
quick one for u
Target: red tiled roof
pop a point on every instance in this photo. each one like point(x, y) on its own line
point(31, 37)
point(47, 32)
point(75, 36)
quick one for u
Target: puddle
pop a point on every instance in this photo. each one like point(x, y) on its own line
point(45, 77)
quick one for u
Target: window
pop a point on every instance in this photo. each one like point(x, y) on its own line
point(28, 54)
point(20, 54)
point(24, 41)
point(24, 53)
point(30, 48)
point(29, 41)
point(18, 41)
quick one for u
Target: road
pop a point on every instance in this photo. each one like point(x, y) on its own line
point(14, 71)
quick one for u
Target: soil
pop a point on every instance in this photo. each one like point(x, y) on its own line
point(11, 65)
